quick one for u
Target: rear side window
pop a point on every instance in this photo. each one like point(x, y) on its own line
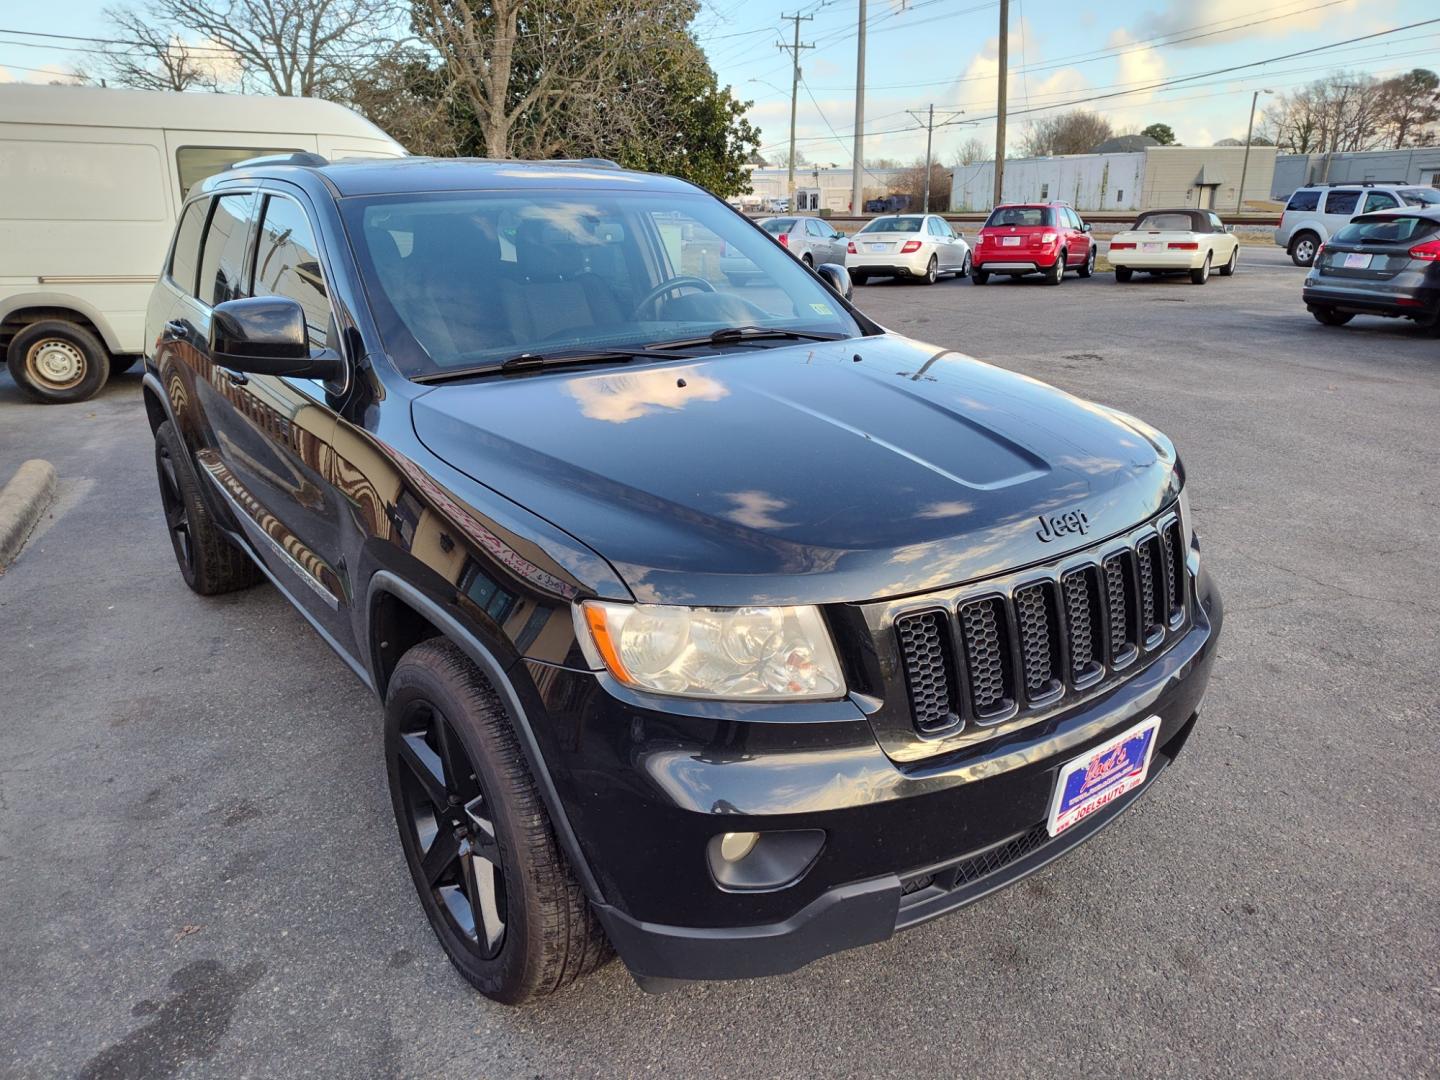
point(1387, 230)
point(222, 259)
point(287, 263)
point(1342, 202)
point(185, 259)
point(813, 228)
point(1380, 200)
point(1303, 200)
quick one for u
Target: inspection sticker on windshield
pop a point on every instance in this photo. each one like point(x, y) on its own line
point(1100, 776)
point(821, 309)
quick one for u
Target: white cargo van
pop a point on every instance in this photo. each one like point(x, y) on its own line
point(90, 182)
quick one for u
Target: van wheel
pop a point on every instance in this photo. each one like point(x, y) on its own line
point(481, 850)
point(57, 362)
point(1330, 317)
point(1202, 275)
point(1303, 247)
point(209, 563)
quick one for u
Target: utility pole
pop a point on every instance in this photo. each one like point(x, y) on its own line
point(1245, 162)
point(857, 181)
point(1000, 101)
point(794, 51)
point(929, 140)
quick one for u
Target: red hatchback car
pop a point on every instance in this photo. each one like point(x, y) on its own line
point(1033, 238)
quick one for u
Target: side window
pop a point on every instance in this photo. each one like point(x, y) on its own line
point(813, 227)
point(195, 163)
point(1304, 200)
point(222, 259)
point(1379, 200)
point(287, 263)
point(1342, 202)
point(1216, 223)
point(185, 259)
point(1044, 191)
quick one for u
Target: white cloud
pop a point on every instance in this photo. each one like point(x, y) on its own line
point(1183, 18)
point(48, 73)
point(1137, 66)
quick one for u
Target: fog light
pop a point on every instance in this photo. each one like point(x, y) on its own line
point(734, 846)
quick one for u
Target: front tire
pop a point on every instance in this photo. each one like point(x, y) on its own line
point(1202, 275)
point(1123, 274)
point(1330, 317)
point(1089, 267)
point(58, 362)
point(1056, 274)
point(1228, 269)
point(208, 561)
point(481, 850)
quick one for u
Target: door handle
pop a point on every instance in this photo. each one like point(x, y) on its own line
point(239, 378)
point(175, 329)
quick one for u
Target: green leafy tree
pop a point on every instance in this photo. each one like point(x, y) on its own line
point(1163, 134)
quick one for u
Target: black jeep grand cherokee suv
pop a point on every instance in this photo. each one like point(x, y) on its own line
point(716, 625)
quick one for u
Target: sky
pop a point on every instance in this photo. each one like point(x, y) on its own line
point(944, 52)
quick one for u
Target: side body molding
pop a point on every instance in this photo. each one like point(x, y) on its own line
point(385, 582)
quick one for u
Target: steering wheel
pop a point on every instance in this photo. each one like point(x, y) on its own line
point(684, 281)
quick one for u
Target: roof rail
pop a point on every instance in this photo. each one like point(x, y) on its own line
point(1361, 183)
point(596, 162)
point(301, 157)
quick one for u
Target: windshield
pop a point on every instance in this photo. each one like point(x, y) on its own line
point(1166, 222)
point(1386, 230)
point(1020, 216)
point(466, 279)
point(1420, 196)
point(894, 224)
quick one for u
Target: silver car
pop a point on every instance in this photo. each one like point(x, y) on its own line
point(919, 247)
point(809, 239)
point(1317, 212)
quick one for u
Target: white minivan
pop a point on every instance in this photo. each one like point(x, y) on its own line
point(91, 180)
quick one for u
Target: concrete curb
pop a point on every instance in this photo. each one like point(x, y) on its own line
point(22, 501)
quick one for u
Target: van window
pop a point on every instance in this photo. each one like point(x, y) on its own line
point(222, 259)
point(195, 163)
point(287, 263)
point(1342, 202)
point(185, 259)
point(1303, 200)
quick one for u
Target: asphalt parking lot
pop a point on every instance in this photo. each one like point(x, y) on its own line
point(198, 861)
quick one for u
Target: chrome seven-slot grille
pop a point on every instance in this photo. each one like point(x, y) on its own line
point(1024, 644)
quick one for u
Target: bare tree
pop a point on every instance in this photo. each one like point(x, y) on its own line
point(1076, 132)
point(152, 59)
point(1410, 108)
point(911, 181)
point(1344, 111)
point(300, 48)
point(973, 151)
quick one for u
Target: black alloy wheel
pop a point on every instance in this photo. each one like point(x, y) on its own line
point(448, 818)
point(208, 561)
point(177, 514)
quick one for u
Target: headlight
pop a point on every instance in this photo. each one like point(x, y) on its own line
point(747, 654)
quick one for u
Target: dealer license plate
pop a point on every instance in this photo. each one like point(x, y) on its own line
point(1098, 777)
point(879, 247)
point(1357, 261)
point(1152, 247)
point(1010, 241)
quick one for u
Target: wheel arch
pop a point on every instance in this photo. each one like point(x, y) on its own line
point(18, 312)
point(402, 608)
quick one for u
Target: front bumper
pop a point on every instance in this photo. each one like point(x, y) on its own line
point(645, 790)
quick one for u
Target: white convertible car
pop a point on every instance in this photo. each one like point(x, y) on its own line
point(1190, 242)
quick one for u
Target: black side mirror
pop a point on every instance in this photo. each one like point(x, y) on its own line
point(838, 278)
point(266, 335)
point(1085, 227)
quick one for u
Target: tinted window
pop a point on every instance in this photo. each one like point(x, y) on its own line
point(1342, 202)
point(932, 226)
point(287, 263)
point(186, 258)
point(222, 262)
point(1420, 196)
point(1020, 216)
point(775, 226)
point(1303, 200)
point(893, 224)
point(1388, 230)
point(1380, 200)
point(195, 163)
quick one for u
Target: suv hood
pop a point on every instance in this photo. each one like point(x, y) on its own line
point(815, 473)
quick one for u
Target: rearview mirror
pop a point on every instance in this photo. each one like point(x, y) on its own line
point(266, 335)
point(838, 278)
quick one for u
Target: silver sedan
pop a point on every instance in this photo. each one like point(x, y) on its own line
point(920, 247)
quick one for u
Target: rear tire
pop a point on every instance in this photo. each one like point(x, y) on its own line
point(1202, 275)
point(1303, 247)
point(965, 266)
point(858, 279)
point(1056, 274)
point(488, 869)
point(932, 271)
point(1228, 269)
point(208, 562)
point(1330, 317)
point(1123, 274)
point(57, 362)
point(1089, 267)
point(808, 260)
point(979, 277)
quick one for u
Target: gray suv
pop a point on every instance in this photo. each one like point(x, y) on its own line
point(1318, 211)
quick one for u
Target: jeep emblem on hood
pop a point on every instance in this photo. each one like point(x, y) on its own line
point(1055, 525)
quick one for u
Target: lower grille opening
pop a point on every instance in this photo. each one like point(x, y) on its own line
point(977, 866)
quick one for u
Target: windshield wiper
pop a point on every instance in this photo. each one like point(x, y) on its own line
point(730, 334)
point(528, 360)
